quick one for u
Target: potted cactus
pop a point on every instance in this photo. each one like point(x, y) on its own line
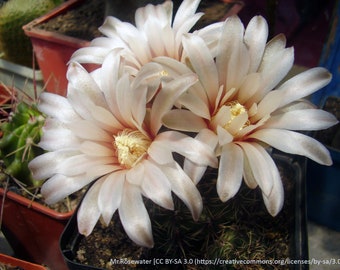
point(16, 57)
point(31, 228)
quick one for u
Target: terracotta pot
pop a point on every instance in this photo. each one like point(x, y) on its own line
point(33, 230)
point(14, 262)
point(53, 50)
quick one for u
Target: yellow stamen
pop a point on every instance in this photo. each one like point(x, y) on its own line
point(131, 146)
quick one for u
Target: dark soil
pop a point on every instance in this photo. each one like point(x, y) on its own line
point(80, 22)
point(245, 230)
point(83, 20)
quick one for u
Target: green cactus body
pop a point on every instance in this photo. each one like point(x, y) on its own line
point(18, 145)
point(14, 44)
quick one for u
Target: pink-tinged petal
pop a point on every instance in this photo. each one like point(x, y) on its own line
point(135, 175)
point(233, 59)
point(203, 64)
point(60, 186)
point(224, 137)
point(193, 170)
point(106, 119)
point(56, 136)
point(230, 171)
point(183, 120)
point(310, 119)
point(195, 150)
point(149, 76)
point(255, 37)
point(79, 164)
point(166, 98)
point(191, 101)
point(96, 149)
point(248, 175)
point(273, 201)
point(110, 195)
point(89, 131)
point(159, 152)
point(82, 86)
point(162, 14)
point(102, 169)
point(45, 165)
point(175, 69)
point(184, 188)
point(249, 87)
point(91, 54)
point(210, 35)
point(276, 44)
point(134, 216)
point(53, 104)
point(156, 180)
point(185, 11)
point(88, 212)
point(275, 69)
point(259, 166)
point(304, 84)
point(222, 117)
point(294, 143)
point(267, 105)
point(238, 123)
point(301, 104)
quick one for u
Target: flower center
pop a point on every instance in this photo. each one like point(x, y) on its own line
point(131, 146)
point(236, 109)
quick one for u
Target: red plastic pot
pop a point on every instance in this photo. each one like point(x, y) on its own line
point(33, 230)
point(14, 262)
point(53, 50)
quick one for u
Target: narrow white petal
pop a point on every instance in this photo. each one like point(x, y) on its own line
point(53, 104)
point(196, 171)
point(159, 152)
point(273, 201)
point(224, 137)
point(60, 186)
point(88, 130)
point(110, 195)
point(45, 165)
point(310, 119)
point(166, 98)
point(186, 10)
point(134, 216)
point(203, 64)
point(304, 84)
point(230, 171)
point(259, 167)
point(294, 143)
point(90, 54)
point(57, 136)
point(185, 189)
point(96, 149)
point(255, 37)
point(183, 120)
point(195, 150)
point(88, 212)
point(156, 180)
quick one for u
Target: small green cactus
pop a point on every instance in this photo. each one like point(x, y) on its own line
point(18, 144)
point(14, 14)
